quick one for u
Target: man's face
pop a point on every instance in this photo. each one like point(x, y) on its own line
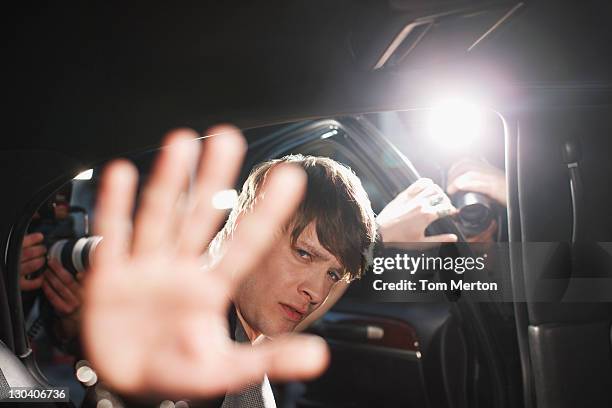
point(61, 210)
point(288, 285)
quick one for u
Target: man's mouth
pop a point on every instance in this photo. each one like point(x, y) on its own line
point(293, 313)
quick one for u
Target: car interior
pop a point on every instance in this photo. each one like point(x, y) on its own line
point(430, 343)
point(364, 84)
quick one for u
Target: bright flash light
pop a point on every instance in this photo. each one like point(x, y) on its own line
point(455, 124)
point(84, 175)
point(225, 199)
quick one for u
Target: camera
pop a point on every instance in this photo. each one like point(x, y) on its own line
point(476, 212)
point(72, 247)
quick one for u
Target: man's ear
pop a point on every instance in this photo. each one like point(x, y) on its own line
point(335, 294)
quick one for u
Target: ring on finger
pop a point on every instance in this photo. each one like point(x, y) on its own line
point(444, 212)
point(435, 200)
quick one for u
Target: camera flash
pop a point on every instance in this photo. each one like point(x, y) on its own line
point(455, 124)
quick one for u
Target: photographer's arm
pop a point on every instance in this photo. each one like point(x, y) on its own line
point(153, 319)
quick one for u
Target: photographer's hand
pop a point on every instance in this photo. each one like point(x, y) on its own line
point(61, 289)
point(479, 177)
point(406, 217)
point(32, 259)
point(154, 320)
point(64, 292)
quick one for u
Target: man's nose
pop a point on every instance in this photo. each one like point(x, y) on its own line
point(313, 288)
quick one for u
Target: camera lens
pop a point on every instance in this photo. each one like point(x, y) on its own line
point(75, 255)
point(475, 212)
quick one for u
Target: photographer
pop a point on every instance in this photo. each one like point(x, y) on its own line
point(58, 311)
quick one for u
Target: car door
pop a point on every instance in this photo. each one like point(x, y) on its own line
point(560, 229)
point(432, 354)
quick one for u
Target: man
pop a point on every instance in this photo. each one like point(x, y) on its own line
point(154, 321)
point(323, 243)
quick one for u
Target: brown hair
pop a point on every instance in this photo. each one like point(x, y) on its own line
point(334, 199)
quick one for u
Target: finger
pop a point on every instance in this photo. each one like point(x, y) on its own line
point(32, 239)
point(465, 165)
point(56, 301)
point(470, 181)
point(430, 190)
point(277, 201)
point(442, 238)
point(448, 211)
point(289, 358)
point(296, 357)
point(220, 164)
point(62, 290)
point(157, 212)
point(442, 211)
point(65, 277)
point(114, 211)
point(430, 213)
point(32, 252)
point(422, 213)
point(30, 284)
point(433, 199)
point(27, 267)
point(418, 186)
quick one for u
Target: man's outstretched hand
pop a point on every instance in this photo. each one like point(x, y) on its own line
point(155, 320)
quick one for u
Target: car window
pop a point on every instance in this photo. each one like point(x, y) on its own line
point(341, 153)
point(382, 171)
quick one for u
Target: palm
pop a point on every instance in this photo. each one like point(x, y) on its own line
point(154, 319)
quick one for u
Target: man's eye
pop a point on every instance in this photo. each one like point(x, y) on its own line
point(335, 276)
point(303, 254)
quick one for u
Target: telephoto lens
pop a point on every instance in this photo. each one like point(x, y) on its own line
point(475, 212)
point(75, 255)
